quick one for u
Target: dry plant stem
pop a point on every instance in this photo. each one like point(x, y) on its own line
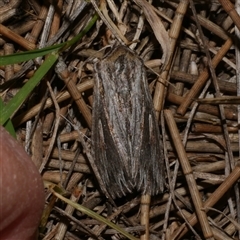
point(70, 8)
point(230, 161)
point(206, 23)
point(11, 4)
point(227, 23)
point(183, 67)
point(102, 11)
point(226, 216)
point(127, 207)
point(22, 29)
point(78, 223)
point(209, 177)
point(158, 99)
point(58, 143)
point(215, 196)
point(16, 38)
point(205, 108)
point(230, 229)
point(216, 86)
point(67, 23)
point(62, 227)
point(157, 27)
point(53, 176)
point(113, 7)
point(189, 121)
point(44, 93)
point(8, 49)
point(46, 213)
point(225, 87)
point(50, 117)
point(169, 203)
point(35, 5)
point(237, 33)
point(56, 19)
point(196, 88)
point(145, 206)
point(128, 229)
point(210, 128)
point(67, 78)
point(205, 147)
point(67, 155)
point(48, 123)
point(226, 60)
point(169, 20)
point(70, 172)
point(99, 229)
point(210, 167)
point(47, 26)
point(37, 28)
point(21, 70)
point(37, 145)
point(60, 98)
point(168, 13)
point(176, 24)
point(207, 232)
point(54, 131)
point(79, 167)
point(67, 137)
point(121, 26)
point(192, 113)
point(138, 32)
point(221, 100)
point(156, 211)
point(7, 15)
point(50, 235)
point(9, 10)
point(229, 8)
point(217, 234)
point(172, 184)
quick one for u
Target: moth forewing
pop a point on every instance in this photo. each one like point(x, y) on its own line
point(125, 137)
point(156, 153)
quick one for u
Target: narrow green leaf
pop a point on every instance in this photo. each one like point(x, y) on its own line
point(8, 125)
point(81, 34)
point(25, 56)
point(13, 105)
point(53, 51)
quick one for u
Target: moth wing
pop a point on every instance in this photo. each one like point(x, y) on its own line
point(126, 141)
point(108, 166)
point(151, 170)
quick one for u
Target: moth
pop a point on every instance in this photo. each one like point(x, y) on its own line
point(126, 143)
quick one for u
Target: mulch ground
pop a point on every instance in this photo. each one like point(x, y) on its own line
point(191, 53)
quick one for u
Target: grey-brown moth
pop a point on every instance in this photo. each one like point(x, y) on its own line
point(126, 143)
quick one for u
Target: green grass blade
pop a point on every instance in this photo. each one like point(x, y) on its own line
point(25, 56)
point(8, 125)
point(81, 34)
point(53, 51)
point(94, 215)
point(13, 105)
